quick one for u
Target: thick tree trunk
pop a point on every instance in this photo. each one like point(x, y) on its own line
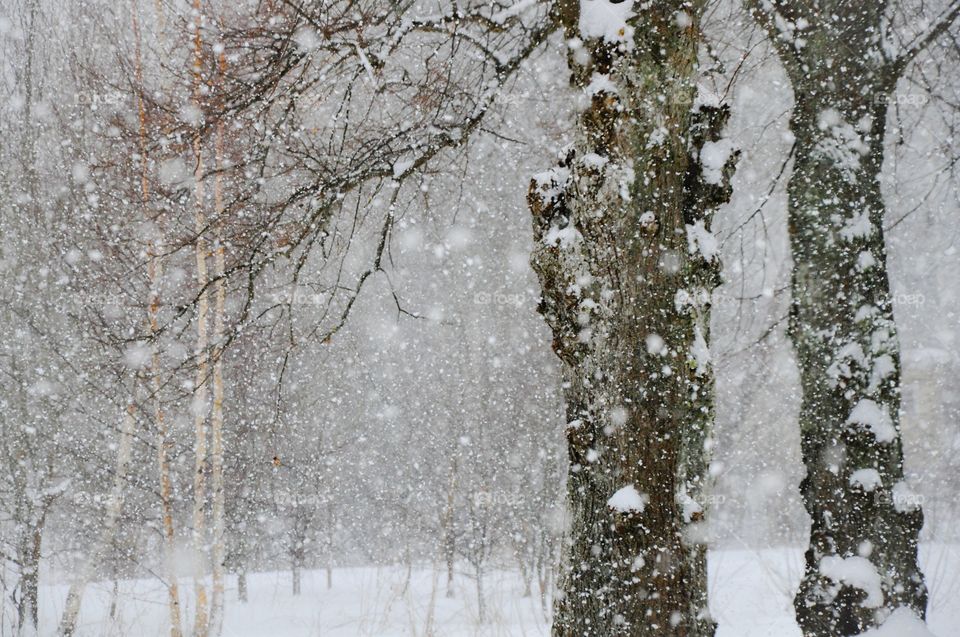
point(843, 331)
point(627, 265)
point(861, 563)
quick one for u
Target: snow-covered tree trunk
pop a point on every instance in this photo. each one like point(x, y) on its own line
point(861, 563)
point(842, 328)
point(627, 264)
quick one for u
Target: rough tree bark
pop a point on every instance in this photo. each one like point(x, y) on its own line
point(29, 548)
point(861, 563)
point(627, 265)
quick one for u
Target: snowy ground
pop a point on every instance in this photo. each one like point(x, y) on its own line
point(750, 598)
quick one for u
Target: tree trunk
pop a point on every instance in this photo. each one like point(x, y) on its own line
point(216, 454)
point(163, 461)
point(627, 265)
point(114, 599)
point(71, 611)
point(295, 576)
point(28, 554)
point(200, 407)
point(481, 598)
point(449, 532)
point(861, 563)
point(155, 276)
point(242, 593)
point(525, 575)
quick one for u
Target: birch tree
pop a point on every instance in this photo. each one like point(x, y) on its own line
point(218, 512)
point(200, 406)
point(155, 250)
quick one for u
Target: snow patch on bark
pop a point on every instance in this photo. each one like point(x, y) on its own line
point(864, 312)
point(883, 368)
point(701, 240)
point(656, 345)
point(700, 352)
point(874, 417)
point(607, 20)
point(563, 237)
point(713, 157)
point(690, 507)
point(842, 365)
point(866, 479)
point(594, 161)
point(706, 98)
point(552, 183)
point(842, 145)
point(904, 498)
point(857, 572)
point(682, 300)
point(857, 226)
point(600, 83)
point(627, 499)
point(865, 261)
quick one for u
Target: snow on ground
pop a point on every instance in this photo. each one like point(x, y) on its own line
point(750, 597)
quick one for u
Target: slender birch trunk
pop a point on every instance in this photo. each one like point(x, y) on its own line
point(216, 456)
point(627, 264)
point(68, 621)
point(155, 273)
point(200, 407)
point(861, 564)
point(449, 536)
point(154, 276)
